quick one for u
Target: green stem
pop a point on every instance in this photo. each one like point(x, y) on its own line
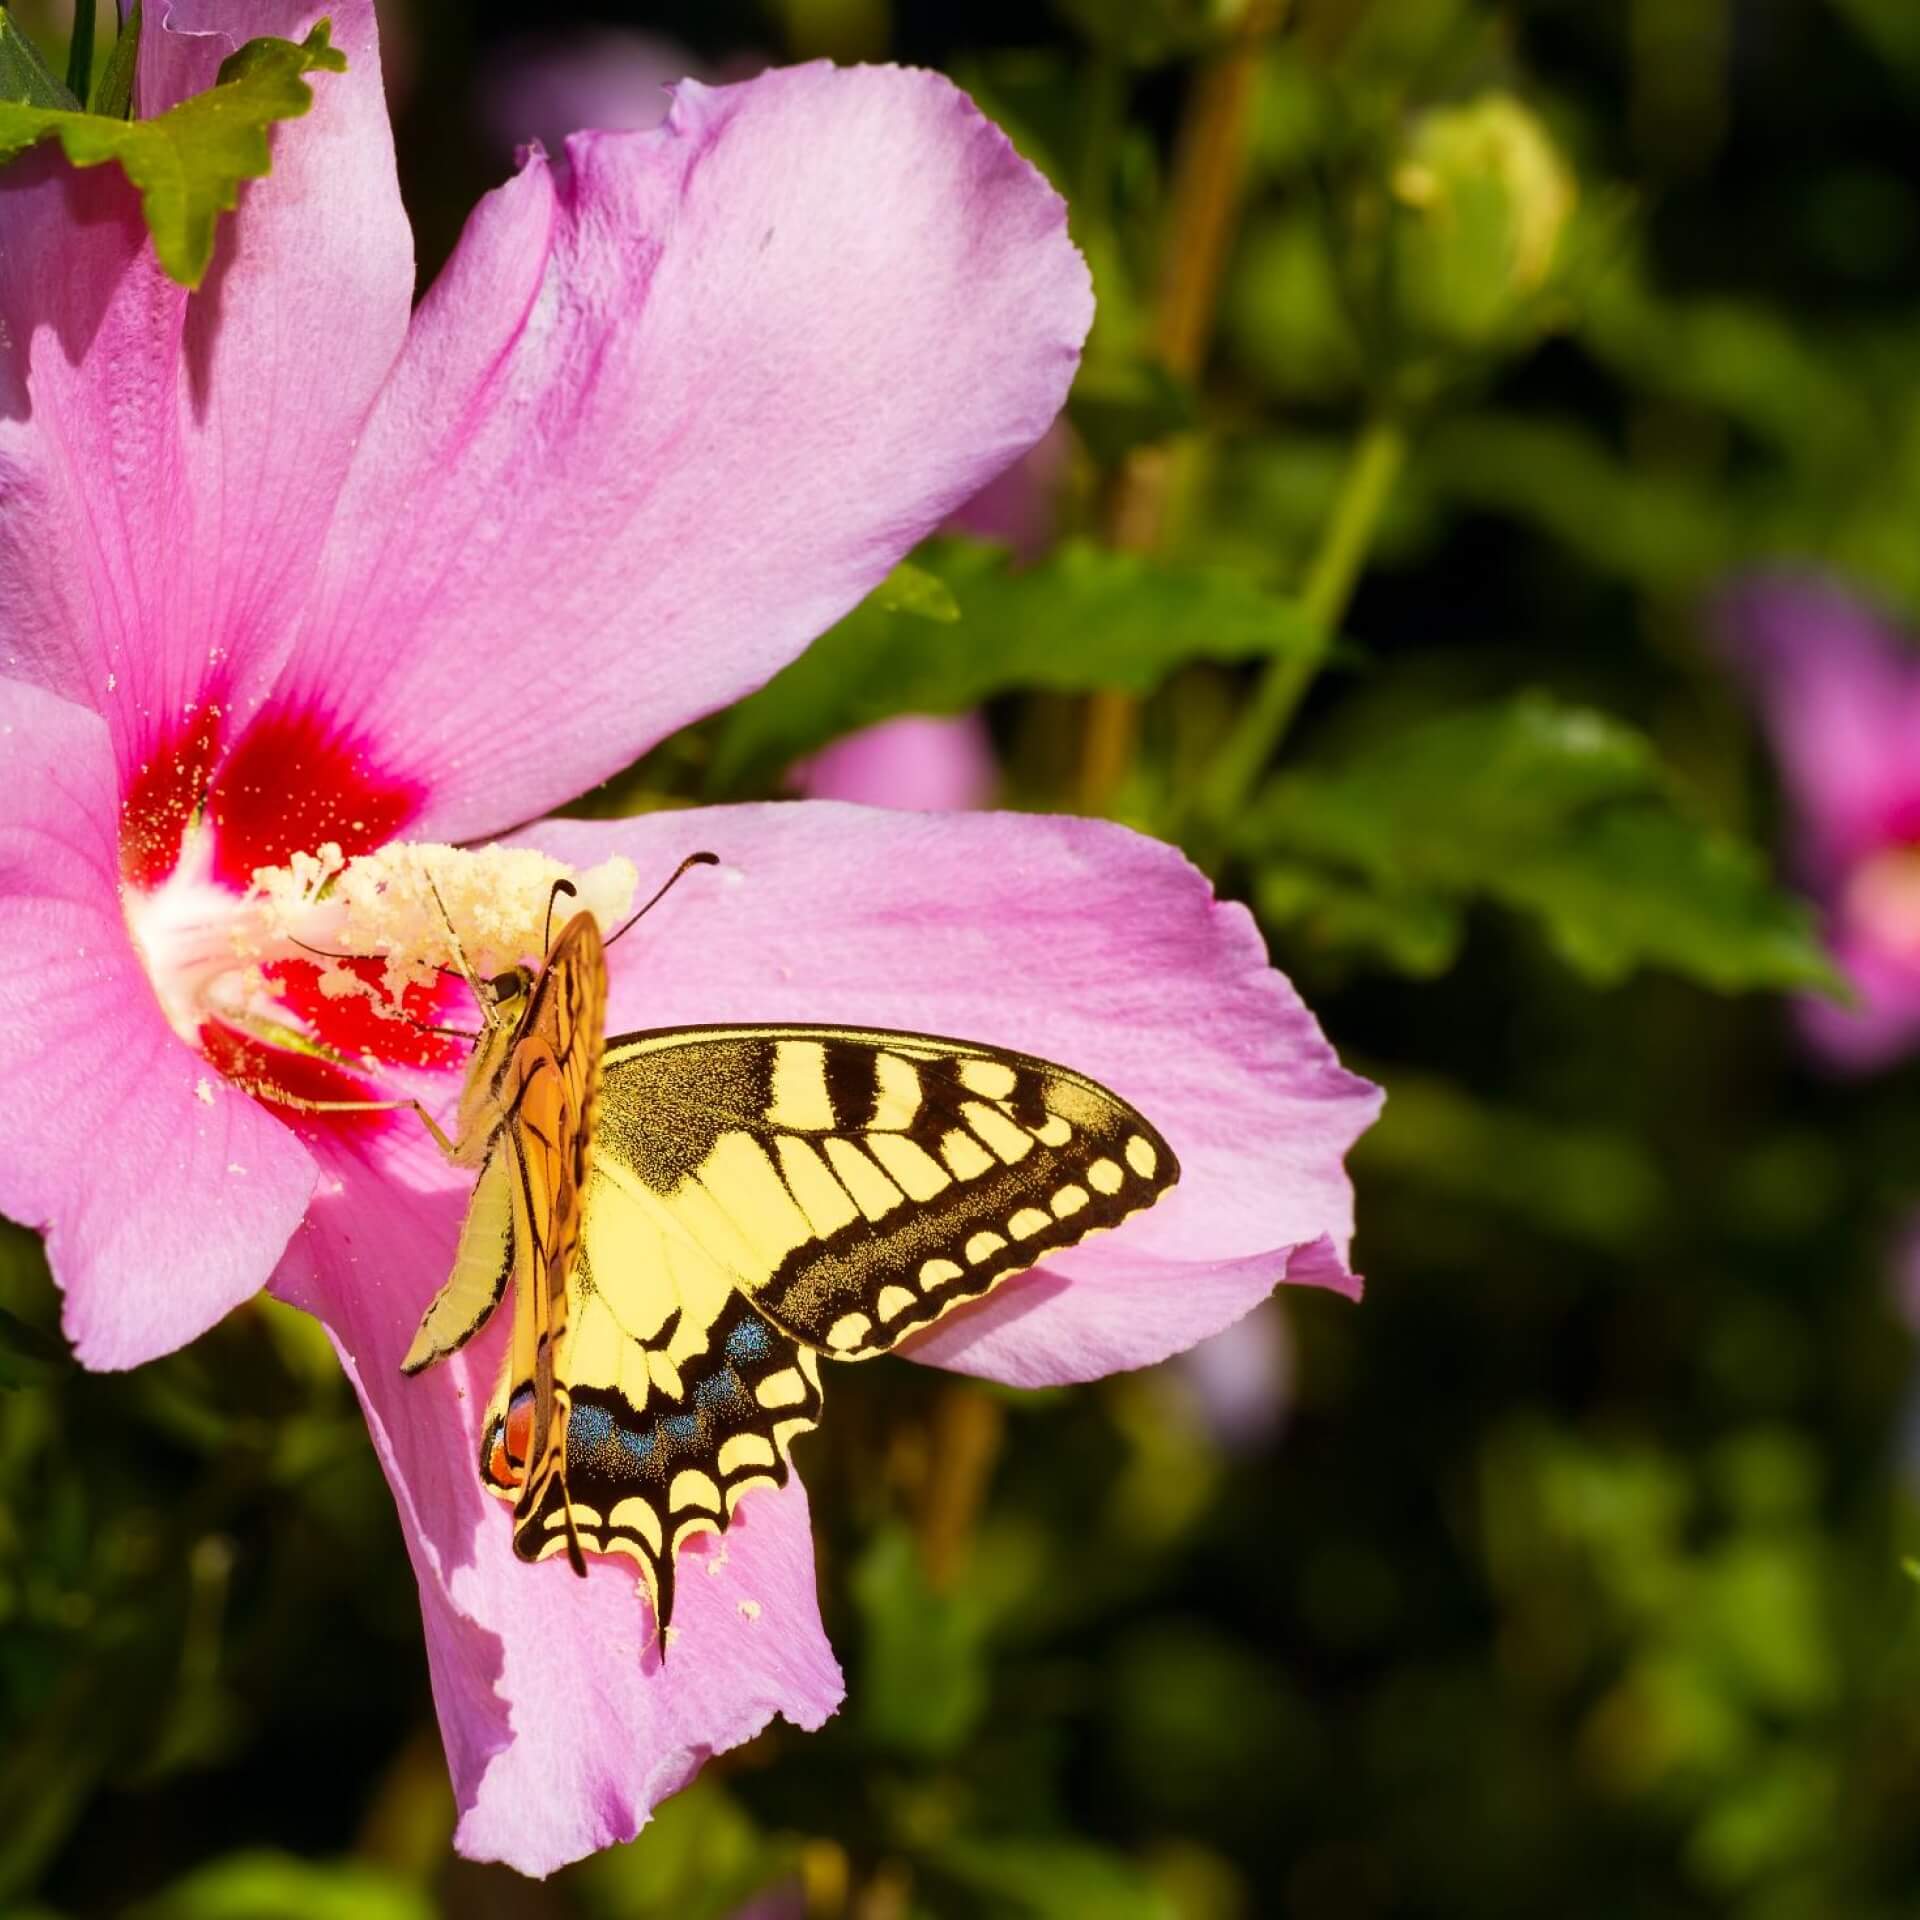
point(1372, 468)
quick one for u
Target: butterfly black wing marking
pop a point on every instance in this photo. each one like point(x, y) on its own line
point(860, 1184)
point(665, 1433)
point(759, 1197)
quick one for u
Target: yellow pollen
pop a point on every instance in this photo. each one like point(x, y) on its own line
point(421, 908)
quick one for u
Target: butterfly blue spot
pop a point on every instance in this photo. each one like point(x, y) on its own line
point(640, 1445)
point(749, 1341)
point(717, 1390)
point(682, 1426)
point(589, 1427)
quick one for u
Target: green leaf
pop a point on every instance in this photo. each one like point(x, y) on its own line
point(1082, 619)
point(703, 1859)
point(1591, 1184)
point(275, 1886)
point(114, 95)
point(28, 1357)
point(911, 589)
point(1890, 27)
point(1417, 934)
point(188, 163)
point(925, 1680)
point(1053, 1880)
point(1551, 810)
point(80, 50)
point(25, 78)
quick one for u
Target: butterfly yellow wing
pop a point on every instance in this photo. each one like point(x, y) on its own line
point(743, 1201)
point(858, 1185)
point(670, 1418)
point(492, 1240)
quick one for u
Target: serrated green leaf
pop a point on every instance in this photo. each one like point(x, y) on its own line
point(1647, 886)
point(1551, 810)
point(189, 162)
point(1082, 619)
point(25, 78)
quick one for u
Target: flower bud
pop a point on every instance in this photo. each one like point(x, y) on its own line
point(1480, 204)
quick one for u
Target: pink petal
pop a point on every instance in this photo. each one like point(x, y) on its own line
point(1884, 1028)
point(1073, 939)
point(166, 1194)
point(934, 763)
point(200, 444)
point(563, 1727)
point(671, 410)
point(1841, 699)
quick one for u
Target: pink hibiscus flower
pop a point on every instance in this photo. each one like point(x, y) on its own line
point(286, 565)
point(1840, 694)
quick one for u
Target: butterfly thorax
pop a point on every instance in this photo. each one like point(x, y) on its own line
point(486, 1098)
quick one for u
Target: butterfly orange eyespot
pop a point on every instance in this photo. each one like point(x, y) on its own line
point(507, 1442)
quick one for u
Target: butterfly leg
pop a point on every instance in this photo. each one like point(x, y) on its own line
point(296, 1101)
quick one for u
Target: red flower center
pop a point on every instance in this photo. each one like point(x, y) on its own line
point(199, 818)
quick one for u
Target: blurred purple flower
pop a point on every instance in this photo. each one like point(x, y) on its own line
point(545, 86)
point(1839, 693)
point(1020, 508)
point(1238, 1384)
point(784, 1900)
point(927, 762)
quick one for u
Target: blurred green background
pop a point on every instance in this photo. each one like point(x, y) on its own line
point(1451, 355)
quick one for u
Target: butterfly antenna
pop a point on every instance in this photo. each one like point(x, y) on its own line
point(559, 887)
point(322, 953)
point(692, 860)
point(460, 965)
